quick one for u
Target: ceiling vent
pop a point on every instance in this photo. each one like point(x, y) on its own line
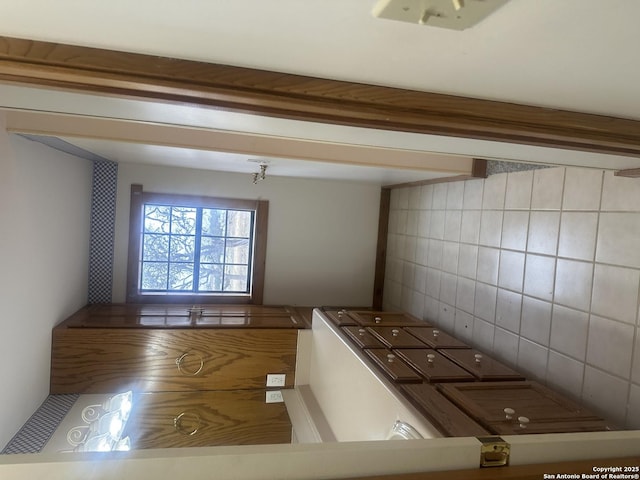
point(452, 14)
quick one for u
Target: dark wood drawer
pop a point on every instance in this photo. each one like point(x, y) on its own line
point(340, 318)
point(433, 366)
point(396, 337)
point(385, 319)
point(441, 413)
point(362, 337)
point(481, 366)
point(546, 410)
point(436, 338)
point(393, 367)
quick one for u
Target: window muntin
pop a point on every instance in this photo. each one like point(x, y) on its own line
point(196, 249)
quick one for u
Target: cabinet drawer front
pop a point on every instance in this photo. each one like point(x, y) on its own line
point(95, 360)
point(200, 419)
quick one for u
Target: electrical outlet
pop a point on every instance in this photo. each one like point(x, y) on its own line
point(276, 379)
point(274, 396)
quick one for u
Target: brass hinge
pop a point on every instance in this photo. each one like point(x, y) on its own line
point(494, 452)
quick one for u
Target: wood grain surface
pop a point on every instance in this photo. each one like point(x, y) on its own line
point(311, 99)
point(98, 360)
point(200, 419)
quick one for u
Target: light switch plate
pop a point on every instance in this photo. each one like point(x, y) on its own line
point(276, 379)
point(452, 14)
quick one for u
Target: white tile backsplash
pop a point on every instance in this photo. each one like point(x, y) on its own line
point(573, 283)
point(480, 258)
point(494, 192)
point(618, 235)
point(543, 232)
point(491, 228)
point(578, 235)
point(514, 230)
point(467, 260)
point(518, 195)
point(485, 302)
point(547, 189)
point(569, 330)
point(508, 310)
point(610, 346)
point(488, 262)
point(620, 193)
point(536, 320)
point(473, 191)
point(470, 227)
point(565, 374)
point(532, 359)
point(511, 270)
point(605, 393)
point(582, 187)
point(615, 292)
point(452, 221)
point(539, 276)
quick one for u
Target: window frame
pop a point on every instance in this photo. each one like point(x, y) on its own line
point(136, 218)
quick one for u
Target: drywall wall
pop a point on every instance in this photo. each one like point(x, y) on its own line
point(322, 234)
point(44, 213)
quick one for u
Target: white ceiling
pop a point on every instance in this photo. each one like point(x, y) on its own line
point(576, 55)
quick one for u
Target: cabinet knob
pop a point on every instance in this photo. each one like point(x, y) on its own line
point(395, 332)
point(509, 413)
point(361, 331)
point(436, 333)
point(430, 357)
point(390, 357)
point(377, 319)
point(523, 422)
point(478, 357)
point(180, 360)
point(192, 420)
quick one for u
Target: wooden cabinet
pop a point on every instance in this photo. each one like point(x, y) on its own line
point(384, 319)
point(545, 411)
point(434, 367)
point(104, 349)
point(393, 366)
point(480, 365)
point(201, 419)
point(436, 338)
point(396, 337)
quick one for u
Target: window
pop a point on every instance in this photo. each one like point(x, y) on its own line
point(195, 249)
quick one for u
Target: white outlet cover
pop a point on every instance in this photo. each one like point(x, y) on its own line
point(452, 14)
point(274, 396)
point(276, 379)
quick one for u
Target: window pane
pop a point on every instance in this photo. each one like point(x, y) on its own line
point(212, 250)
point(157, 218)
point(239, 224)
point(155, 247)
point(210, 278)
point(183, 220)
point(235, 278)
point(182, 248)
point(213, 222)
point(237, 251)
point(154, 276)
point(181, 276)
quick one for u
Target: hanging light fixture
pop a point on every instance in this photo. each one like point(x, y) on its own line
point(261, 175)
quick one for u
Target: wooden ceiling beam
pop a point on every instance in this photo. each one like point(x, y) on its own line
point(311, 99)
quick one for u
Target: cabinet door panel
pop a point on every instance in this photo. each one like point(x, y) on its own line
point(95, 360)
point(200, 419)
